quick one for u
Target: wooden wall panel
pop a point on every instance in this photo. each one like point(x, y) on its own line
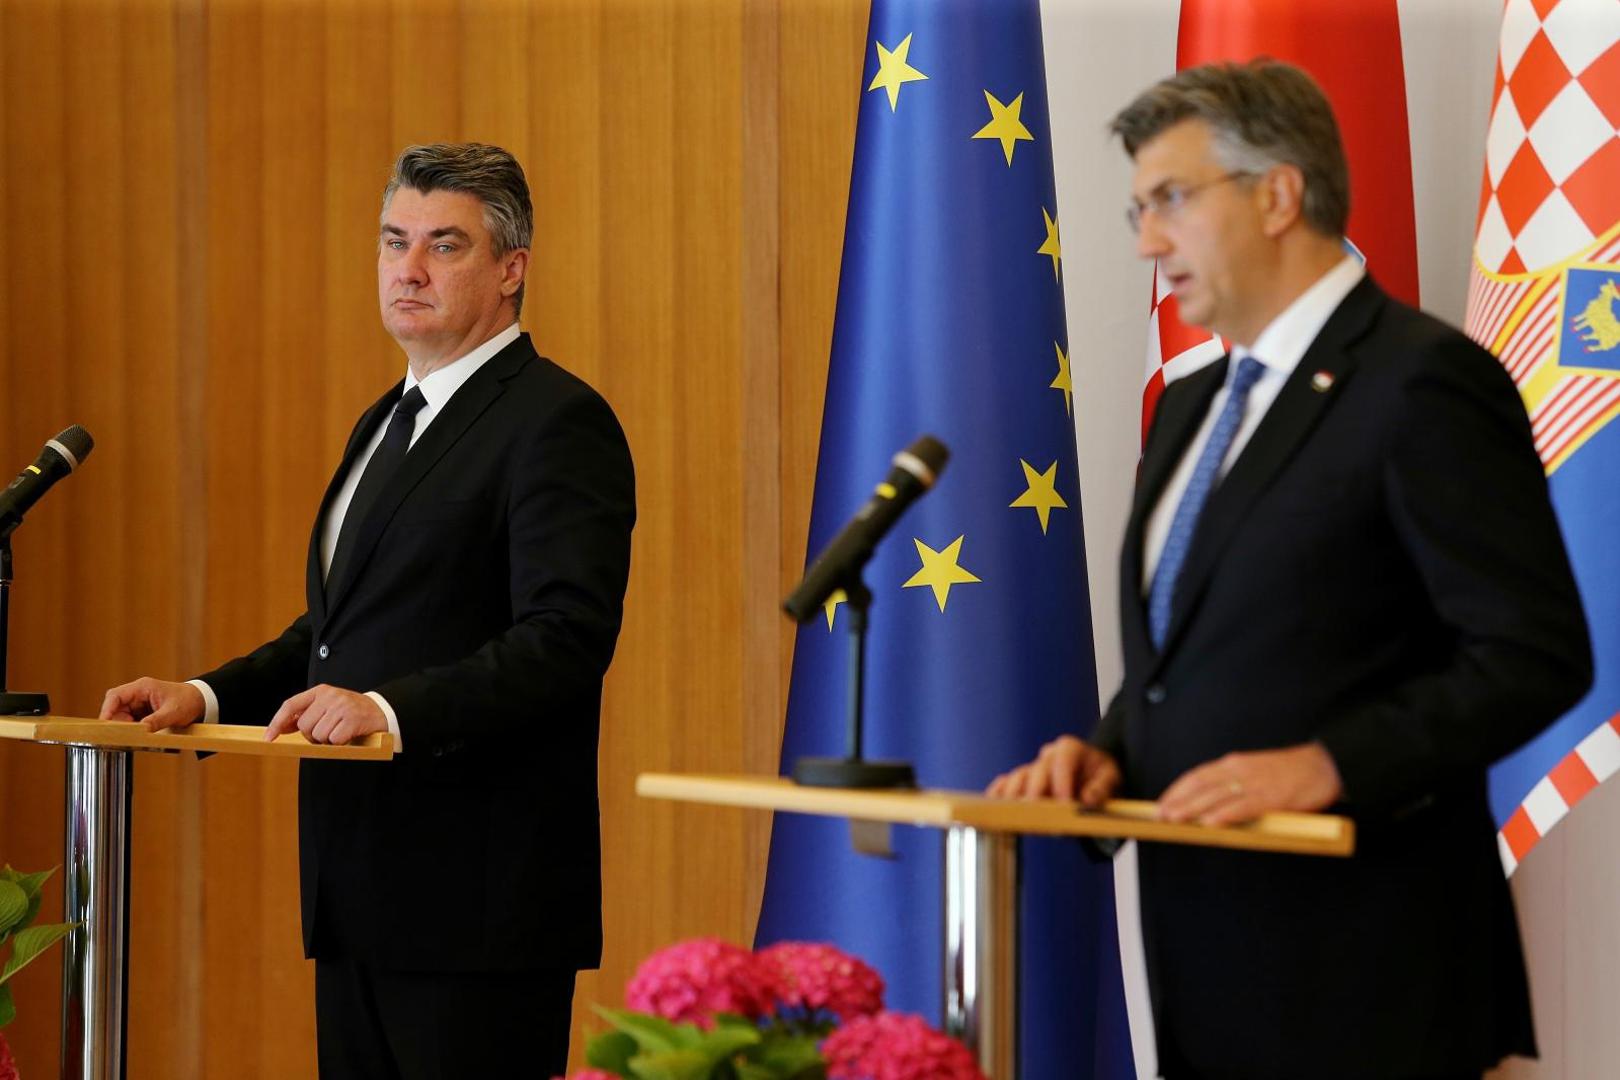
point(36, 330)
point(191, 194)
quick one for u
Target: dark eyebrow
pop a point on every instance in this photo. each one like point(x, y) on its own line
point(450, 230)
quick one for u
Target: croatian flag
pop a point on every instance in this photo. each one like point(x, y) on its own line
point(1544, 296)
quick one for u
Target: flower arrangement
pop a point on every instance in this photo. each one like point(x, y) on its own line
point(709, 1010)
point(19, 905)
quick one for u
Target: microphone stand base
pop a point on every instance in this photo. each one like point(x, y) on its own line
point(853, 773)
point(15, 704)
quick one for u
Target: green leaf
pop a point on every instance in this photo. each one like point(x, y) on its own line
point(29, 943)
point(723, 1042)
point(652, 1033)
point(30, 883)
point(672, 1065)
point(8, 1010)
point(611, 1052)
point(13, 905)
point(749, 1071)
point(791, 1056)
point(33, 910)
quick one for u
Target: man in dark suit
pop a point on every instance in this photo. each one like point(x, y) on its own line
point(466, 576)
point(1342, 587)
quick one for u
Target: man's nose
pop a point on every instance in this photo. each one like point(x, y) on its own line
point(411, 268)
point(1150, 239)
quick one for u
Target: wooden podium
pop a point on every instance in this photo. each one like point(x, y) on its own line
point(100, 777)
point(981, 870)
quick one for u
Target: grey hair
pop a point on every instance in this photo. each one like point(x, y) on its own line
point(1262, 113)
point(489, 173)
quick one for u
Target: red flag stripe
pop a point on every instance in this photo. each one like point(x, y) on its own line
point(1580, 772)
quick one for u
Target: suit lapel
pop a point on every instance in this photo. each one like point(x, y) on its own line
point(459, 413)
point(1288, 422)
point(314, 584)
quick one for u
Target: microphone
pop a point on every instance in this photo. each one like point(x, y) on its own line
point(59, 457)
point(915, 470)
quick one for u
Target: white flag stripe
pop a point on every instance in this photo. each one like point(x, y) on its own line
point(1558, 411)
point(1607, 394)
point(1509, 863)
point(1535, 337)
point(1601, 752)
point(1545, 806)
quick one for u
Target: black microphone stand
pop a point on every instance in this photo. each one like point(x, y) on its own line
point(13, 704)
point(854, 771)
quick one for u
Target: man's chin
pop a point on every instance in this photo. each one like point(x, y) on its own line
point(407, 325)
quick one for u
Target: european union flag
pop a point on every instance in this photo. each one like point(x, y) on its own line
point(950, 321)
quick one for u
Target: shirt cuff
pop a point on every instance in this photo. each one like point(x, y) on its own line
point(388, 712)
point(210, 701)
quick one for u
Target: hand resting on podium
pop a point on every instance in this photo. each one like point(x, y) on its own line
point(324, 714)
point(154, 703)
point(1232, 789)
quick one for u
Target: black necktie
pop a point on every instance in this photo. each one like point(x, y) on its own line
point(379, 470)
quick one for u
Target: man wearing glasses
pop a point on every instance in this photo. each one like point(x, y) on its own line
point(1342, 587)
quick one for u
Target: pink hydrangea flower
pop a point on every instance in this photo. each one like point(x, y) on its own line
point(895, 1046)
point(589, 1074)
point(820, 978)
point(691, 981)
point(8, 1064)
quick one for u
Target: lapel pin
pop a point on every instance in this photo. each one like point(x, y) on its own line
point(1322, 381)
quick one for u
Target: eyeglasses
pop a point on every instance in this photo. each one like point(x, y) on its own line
point(1168, 201)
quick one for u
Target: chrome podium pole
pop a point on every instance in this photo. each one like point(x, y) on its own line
point(981, 946)
point(95, 963)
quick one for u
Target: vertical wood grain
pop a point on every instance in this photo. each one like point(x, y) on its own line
point(760, 621)
point(191, 193)
point(32, 70)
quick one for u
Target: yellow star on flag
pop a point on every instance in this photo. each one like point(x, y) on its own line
point(1040, 494)
point(1005, 125)
point(939, 570)
point(1051, 246)
point(893, 71)
point(1064, 381)
point(831, 606)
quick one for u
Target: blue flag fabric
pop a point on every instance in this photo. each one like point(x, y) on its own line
point(950, 321)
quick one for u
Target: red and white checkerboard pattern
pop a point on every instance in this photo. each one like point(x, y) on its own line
point(1551, 197)
point(1553, 149)
point(1594, 760)
point(1174, 349)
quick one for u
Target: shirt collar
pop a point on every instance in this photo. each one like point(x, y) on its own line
point(443, 382)
point(1284, 341)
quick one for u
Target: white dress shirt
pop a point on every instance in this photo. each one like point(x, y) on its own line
point(1279, 348)
point(437, 389)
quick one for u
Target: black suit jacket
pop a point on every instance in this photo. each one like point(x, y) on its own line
point(1380, 571)
point(482, 600)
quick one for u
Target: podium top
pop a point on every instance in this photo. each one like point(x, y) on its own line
point(204, 738)
point(1127, 819)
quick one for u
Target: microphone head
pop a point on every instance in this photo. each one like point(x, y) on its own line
point(77, 442)
point(925, 459)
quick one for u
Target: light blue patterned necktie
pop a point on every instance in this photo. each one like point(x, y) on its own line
point(1204, 476)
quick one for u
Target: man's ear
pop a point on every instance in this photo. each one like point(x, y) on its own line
point(514, 265)
point(1281, 191)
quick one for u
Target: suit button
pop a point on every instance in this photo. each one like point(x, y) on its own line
point(1155, 694)
point(438, 751)
point(324, 651)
